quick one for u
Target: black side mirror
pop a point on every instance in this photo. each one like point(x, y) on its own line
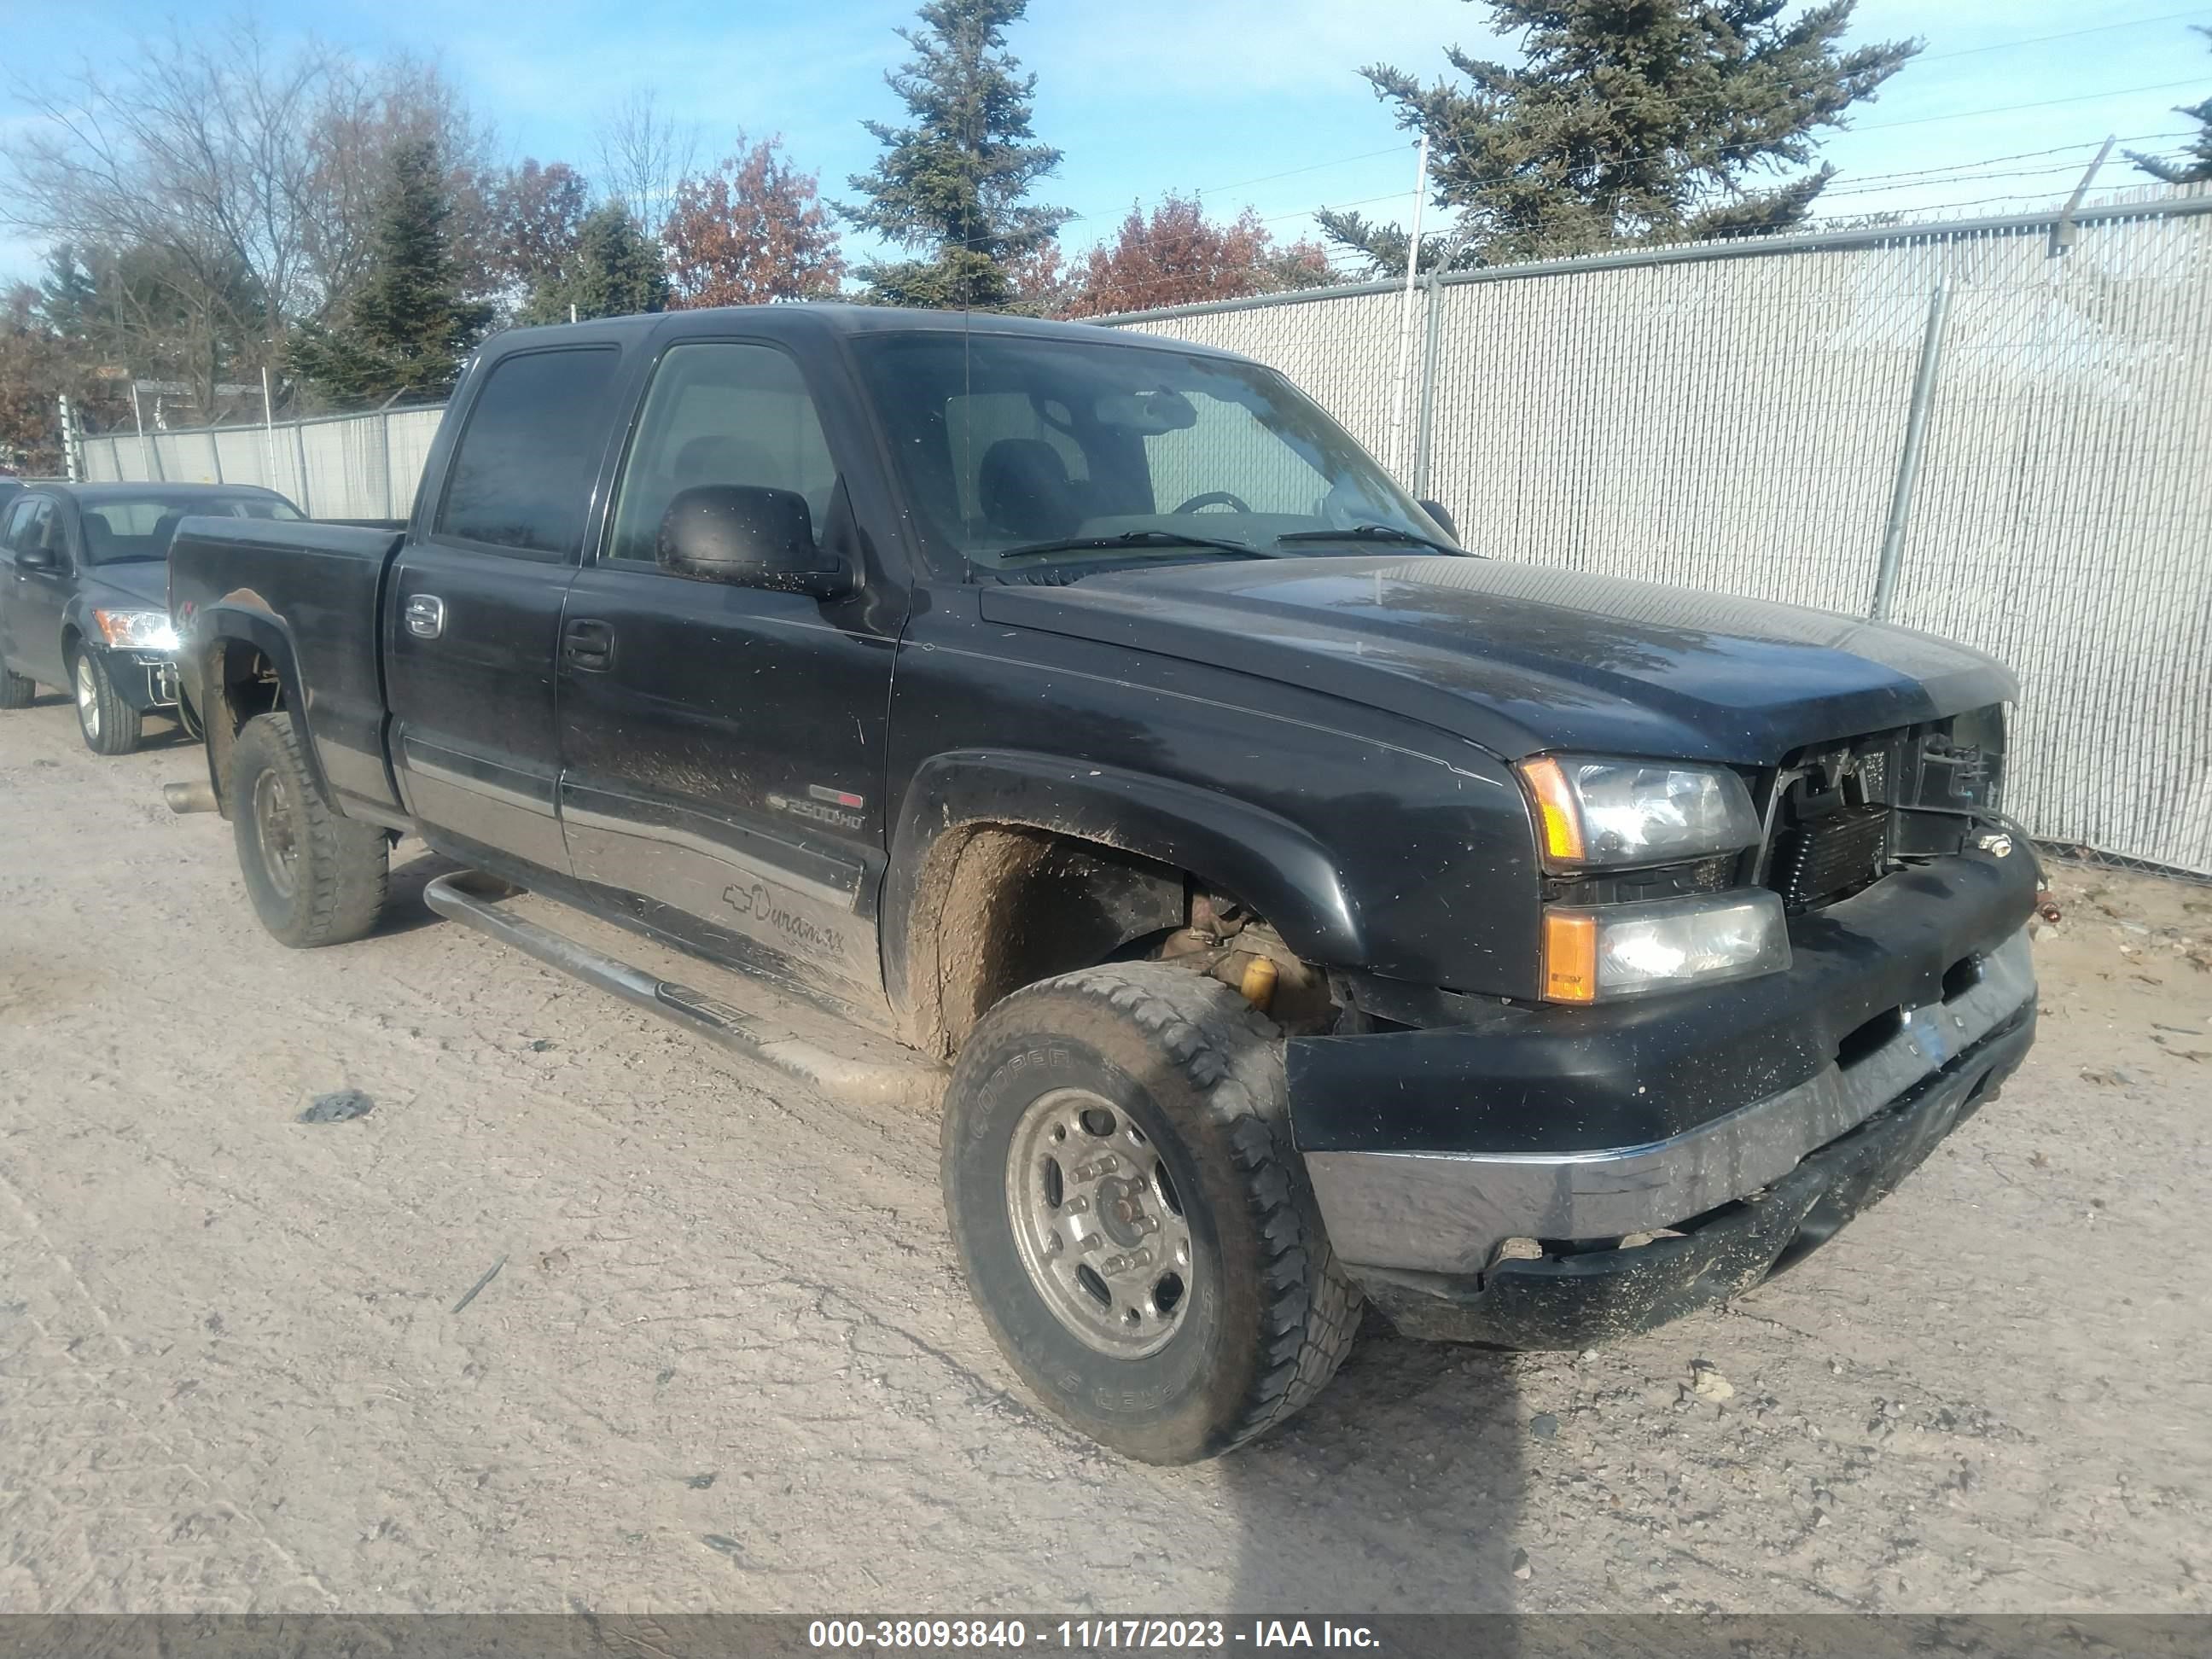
point(747, 535)
point(38, 558)
point(1435, 510)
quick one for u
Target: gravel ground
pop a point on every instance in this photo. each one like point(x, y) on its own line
point(723, 1361)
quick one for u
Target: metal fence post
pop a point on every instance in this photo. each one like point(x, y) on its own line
point(1423, 439)
point(384, 426)
point(300, 449)
point(1908, 464)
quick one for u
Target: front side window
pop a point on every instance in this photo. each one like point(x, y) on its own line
point(33, 526)
point(522, 474)
point(18, 535)
point(720, 412)
point(1009, 445)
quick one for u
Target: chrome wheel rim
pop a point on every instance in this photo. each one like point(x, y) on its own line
point(1098, 1224)
point(273, 828)
point(87, 698)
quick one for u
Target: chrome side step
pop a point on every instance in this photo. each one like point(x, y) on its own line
point(474, 901)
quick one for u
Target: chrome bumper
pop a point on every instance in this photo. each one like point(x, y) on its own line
point(1448, 1212)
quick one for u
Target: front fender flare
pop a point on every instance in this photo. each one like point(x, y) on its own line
point(1259, 857)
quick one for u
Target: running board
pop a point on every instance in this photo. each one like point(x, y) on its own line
point(474, 901)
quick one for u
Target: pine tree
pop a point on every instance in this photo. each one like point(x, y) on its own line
point(1630, 121)
point(953, 183)
point(2195, 165)
point(406, 328)
point(615, 270)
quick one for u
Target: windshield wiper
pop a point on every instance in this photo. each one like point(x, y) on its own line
point(1132, 538)
point(1371, 533)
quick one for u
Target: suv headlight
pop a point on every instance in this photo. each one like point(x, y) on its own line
point(1607, 950)
point(136, 630)
point(1603, 814)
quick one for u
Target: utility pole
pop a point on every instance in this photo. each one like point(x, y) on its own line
point(1405, 313)
point(268, 428)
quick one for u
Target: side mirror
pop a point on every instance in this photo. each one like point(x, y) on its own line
point(747, 535)
point(37, 558)
point(1435, 510)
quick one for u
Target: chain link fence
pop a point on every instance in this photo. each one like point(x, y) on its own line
point(1741, 417)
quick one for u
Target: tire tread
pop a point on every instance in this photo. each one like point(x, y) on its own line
point(344, 862)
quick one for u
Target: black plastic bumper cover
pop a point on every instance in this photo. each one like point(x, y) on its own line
point(1574, 1301)
point(1558, 1081)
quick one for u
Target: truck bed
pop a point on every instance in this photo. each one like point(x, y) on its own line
point(320, 587)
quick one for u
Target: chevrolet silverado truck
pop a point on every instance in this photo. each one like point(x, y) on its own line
point(1313, 914)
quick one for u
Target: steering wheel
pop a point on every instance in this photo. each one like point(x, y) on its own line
point(1215, 498)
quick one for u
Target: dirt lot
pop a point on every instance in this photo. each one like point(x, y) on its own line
point(726, 1363)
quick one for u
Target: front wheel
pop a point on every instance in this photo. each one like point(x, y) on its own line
point(110, 725)
point(315, 876)
point(1133, 1219)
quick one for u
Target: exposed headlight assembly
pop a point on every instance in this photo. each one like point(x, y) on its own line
point(1601, 951)
point(136, 630)
point(1604, 814)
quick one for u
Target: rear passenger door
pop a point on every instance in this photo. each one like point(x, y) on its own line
point(724, 745)
point(473, 614)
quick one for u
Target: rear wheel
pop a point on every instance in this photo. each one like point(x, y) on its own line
point(315, 876)
point(15, 692)
point(1133, 1219)
point(111, 725)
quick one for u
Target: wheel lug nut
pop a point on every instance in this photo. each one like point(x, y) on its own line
point(1148, 1223)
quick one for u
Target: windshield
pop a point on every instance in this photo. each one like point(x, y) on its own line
point(128, 529)
point(1009, 445)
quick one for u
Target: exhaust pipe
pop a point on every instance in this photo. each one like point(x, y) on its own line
point(184, 798)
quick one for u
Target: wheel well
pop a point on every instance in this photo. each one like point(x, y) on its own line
point(999, 906)
point(72, 637)
point(241, 683)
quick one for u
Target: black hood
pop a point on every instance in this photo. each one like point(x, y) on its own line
point(1520, 658)
point(141, 584)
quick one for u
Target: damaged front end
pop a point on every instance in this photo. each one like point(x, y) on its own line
point(1548, 1176)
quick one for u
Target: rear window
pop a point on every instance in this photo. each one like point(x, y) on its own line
point(119, 530)
point(522, 474)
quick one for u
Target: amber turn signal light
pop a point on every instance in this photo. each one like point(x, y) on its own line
point(1569, 955)
point(1557, 812)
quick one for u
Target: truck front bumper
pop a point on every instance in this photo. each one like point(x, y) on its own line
point(1529, 1217)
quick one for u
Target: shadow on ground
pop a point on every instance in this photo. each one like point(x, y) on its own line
point(403, 908)
point(1398, 1490)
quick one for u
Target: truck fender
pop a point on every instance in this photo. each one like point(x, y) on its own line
point(1261, 859)
point(225, 623)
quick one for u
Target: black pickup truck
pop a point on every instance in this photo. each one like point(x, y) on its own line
point(1313, 913)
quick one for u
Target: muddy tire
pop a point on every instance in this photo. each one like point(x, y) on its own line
point(15, 692)
point(1133, 1219)
point(110, 725)
point(315, 878)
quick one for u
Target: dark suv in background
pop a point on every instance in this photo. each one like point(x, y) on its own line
point(84, 595)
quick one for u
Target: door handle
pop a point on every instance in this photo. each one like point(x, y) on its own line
point(426, 616)
point(589, 644)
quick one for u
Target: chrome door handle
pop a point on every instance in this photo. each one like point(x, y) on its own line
point(426, 616)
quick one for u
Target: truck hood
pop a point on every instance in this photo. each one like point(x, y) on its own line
point(1520, 658)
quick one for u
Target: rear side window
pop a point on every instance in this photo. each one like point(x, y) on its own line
point(522, 474)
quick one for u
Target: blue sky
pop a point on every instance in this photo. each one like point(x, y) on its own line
point(1255, 102)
